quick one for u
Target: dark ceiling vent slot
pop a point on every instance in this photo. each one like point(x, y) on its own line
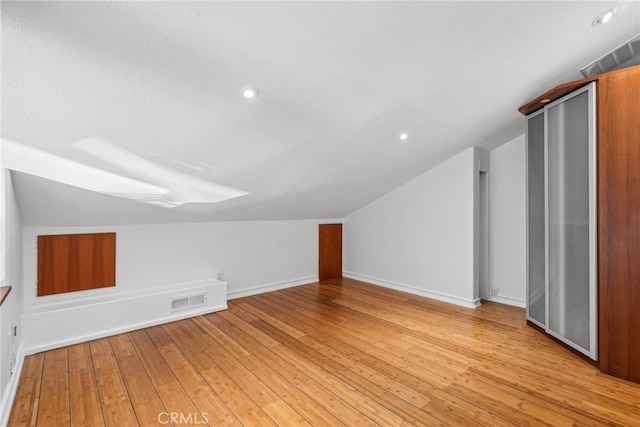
point(625, 55)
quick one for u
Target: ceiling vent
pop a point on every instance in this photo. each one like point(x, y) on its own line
point(625, 55)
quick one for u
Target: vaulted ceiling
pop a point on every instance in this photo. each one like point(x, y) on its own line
point(151, 92)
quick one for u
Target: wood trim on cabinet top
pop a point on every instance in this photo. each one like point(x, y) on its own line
point(4, 293)
point(566, 88)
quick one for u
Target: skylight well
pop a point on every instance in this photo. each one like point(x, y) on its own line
point(141, 180)
point(183, 188)
point(22, 158)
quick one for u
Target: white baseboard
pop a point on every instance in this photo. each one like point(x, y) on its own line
point(9, 393)
point(507, 301)
point(271, 287)
point(468, 303)
point(58, 327)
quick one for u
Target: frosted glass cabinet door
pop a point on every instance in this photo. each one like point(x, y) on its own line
point(570, 176)
point(536, 300)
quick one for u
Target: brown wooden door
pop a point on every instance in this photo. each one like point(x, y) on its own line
point(330, 251)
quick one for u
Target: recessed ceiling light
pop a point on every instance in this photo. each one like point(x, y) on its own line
point(249, 92)
point(604, 17)
point(404, 136)
point(545, 101)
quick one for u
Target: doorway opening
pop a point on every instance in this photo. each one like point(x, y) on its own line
point(484, 256)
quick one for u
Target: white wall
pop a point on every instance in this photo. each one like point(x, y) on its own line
point(4, 246)
point(250, 255)
point(157, 262)
point(423, 236)
point(508, 222)
point(420, 237)
point(11, 355)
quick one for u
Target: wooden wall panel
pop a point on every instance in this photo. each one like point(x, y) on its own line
point(619, 223)
point(329, 251)
point(76, 262)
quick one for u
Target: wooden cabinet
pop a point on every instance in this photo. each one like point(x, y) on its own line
point(617, 213)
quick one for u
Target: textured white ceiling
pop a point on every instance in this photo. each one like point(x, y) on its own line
point(338, 82)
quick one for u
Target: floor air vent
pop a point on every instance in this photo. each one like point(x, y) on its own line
point(184, 303)
point(625, 55)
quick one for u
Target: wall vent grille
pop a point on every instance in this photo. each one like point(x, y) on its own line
point(186, 302)
point(625, 55)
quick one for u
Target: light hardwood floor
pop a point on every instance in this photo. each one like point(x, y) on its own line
point(340, 352)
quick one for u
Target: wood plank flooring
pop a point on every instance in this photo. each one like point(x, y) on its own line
point(334, 353)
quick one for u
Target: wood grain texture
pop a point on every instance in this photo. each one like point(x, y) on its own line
point(329, 251)
point(84, 401)
point(76, 262)
point(4, 293)
point(27, 400)
point(619, 223)
point(339, 352)
point(142, 394)
point(115, 401)
point(53, 408)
